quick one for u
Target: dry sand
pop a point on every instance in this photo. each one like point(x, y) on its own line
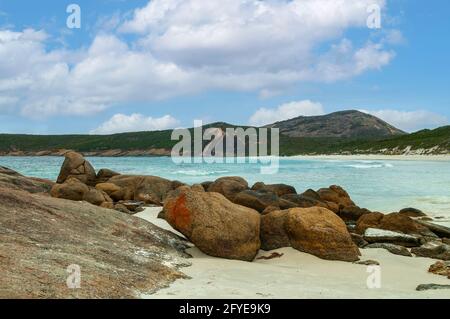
point(298, 275)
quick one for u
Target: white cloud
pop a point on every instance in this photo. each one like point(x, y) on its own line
point(265, 116)
point(189, 46)
point(410, 121)
point(120, 123)
point(395, 37)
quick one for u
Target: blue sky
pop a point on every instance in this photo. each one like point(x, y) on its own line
point(140, 65)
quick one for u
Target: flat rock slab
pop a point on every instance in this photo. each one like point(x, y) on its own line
point(439, 230)
point(374, 235)
point(119, 256)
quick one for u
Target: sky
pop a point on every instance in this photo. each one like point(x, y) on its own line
point(109, 66)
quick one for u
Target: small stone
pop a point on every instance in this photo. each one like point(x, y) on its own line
point(367, 262)
point(424, 287)
point(393, 249)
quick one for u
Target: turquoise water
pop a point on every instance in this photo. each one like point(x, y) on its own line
point(383, 185)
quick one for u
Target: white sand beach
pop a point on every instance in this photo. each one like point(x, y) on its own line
point(298, 275)
point(373, 157)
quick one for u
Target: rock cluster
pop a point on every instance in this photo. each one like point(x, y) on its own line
point(228, 218)
point(78, 181)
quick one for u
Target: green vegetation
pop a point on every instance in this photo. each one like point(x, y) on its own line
point(425, 139)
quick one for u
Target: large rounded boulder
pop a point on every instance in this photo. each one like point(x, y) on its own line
point(316, 230)
point(279, 189)
point(148, 189)
point(320, 232)
point(214, 224)
point(335, 195)
point(75, 166)
point(229, 186)
point(273, 230)
point(73, 189)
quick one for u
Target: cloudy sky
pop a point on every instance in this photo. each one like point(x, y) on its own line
point(147, 65)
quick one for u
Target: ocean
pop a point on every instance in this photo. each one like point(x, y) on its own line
point(379, 185)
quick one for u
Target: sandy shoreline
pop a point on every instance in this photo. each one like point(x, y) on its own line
point(298, 275)
point(371, 157)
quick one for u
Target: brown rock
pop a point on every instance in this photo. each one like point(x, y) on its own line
point(394, 222)
point(273, 231)
point(440, 230)
point(176, 184)
point(162, 215)
point(215, 225)
point(366, 221)
point(133, 206)
point(352, 213)
point(412, 212)
point(434, 250)
point(278, 189)
point(310, 193)
point(229, 186)
point(270, 209)
point(367, 262)
point(72, 189)
point(122, 194)
point(260, 200)
point(77, 167)
point(374, 235)
point(13, 180)
point(108, 188)
point(425, 287)
point(206, 185)
point(197, 188)
point(9, 172)
point(105, 174)
point(119, 256)
point(337, 195)
point(404, 224)
point(441, 268)
point(96, 197)
point(393, 249)
point(322, 233)
point(75, 190)
point(108, 205)
point(304, 201)
point(359, 240)
point(149, 189)
point(123, 209)
point(271, 256)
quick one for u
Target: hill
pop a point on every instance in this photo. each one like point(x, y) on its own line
point(343, 139)
point(345, 124)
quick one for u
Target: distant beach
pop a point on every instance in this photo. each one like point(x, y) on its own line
point(373, 157)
